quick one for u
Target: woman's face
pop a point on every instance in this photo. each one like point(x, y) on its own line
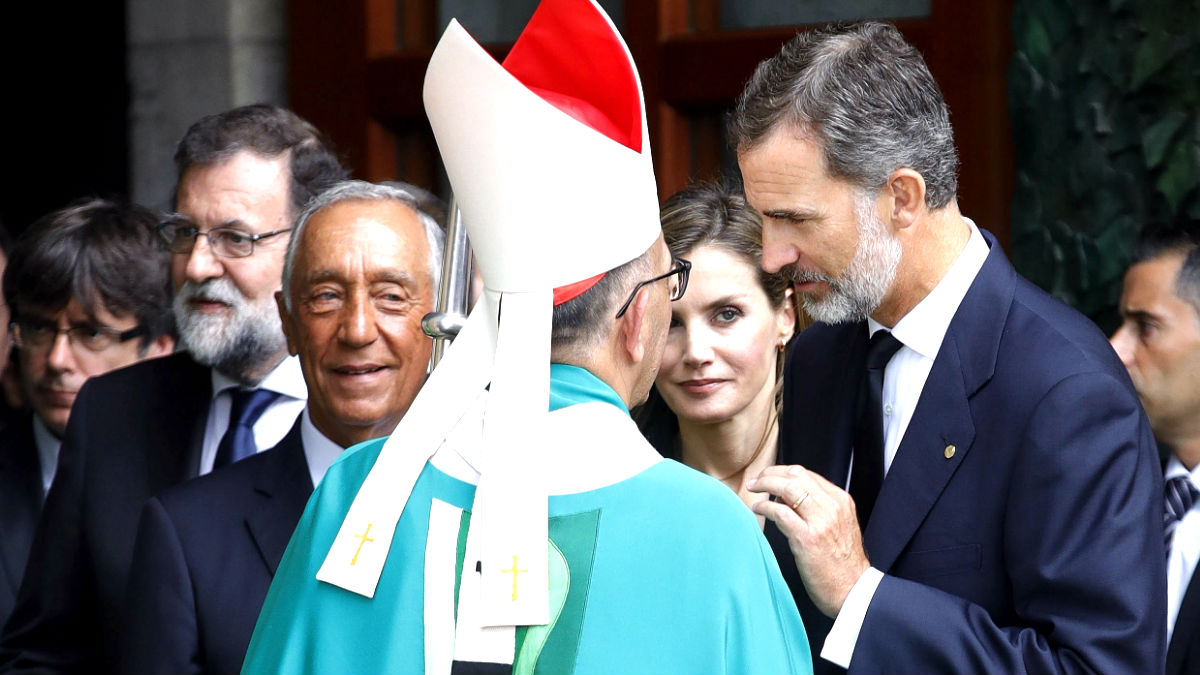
point(722, 344)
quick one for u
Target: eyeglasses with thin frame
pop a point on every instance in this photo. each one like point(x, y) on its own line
point(226, 242)
point(39, 335)
point(678, 266)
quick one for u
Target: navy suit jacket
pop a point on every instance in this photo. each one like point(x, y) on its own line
point(1036, 545)
point(20, 504)
point(132, 433)
point(206, 553)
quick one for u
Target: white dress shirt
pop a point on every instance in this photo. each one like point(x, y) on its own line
point(1185, 547)
point(921, 332)
point(319, 451)
point(47, 449)
point(275, 422)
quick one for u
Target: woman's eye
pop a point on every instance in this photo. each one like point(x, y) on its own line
point(728, 315)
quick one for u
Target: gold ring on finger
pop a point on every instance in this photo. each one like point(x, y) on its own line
point(796, 504)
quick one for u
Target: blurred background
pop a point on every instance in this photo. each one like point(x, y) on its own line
point(1078, 121)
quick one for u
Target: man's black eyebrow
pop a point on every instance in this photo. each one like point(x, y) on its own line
point(1139, 315)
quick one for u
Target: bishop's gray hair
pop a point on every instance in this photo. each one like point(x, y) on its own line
point(356, 190)
point(867, 98)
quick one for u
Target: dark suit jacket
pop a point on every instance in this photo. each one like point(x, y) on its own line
point(205, 555)
point(20, 504)
point(1036, 545)
point(132, 433)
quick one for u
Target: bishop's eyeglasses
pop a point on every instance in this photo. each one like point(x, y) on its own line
point(678, 266)
point(226, 242)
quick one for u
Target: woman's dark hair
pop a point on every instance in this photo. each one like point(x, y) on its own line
point(95, 250)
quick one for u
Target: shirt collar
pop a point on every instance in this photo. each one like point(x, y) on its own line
point(319, 451)
point(286, 378)
point(925, 325)
point(572, 385)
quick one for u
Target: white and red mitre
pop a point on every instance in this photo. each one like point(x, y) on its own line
point(549, 159)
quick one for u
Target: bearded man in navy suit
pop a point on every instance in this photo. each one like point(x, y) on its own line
point(360, 273)
point(966, 481)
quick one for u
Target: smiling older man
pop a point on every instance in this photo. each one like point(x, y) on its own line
point(360, 273)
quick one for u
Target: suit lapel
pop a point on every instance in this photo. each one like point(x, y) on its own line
point(182, 429)
point(20, 497)
point(921, 469)
point(282, 486)
point(943, 416)
point(1187, 626)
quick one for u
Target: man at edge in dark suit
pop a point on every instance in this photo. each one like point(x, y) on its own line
point(1159, 342)
point(243, 176)
point(966, 480)
point(360, 273)
point(89, 293)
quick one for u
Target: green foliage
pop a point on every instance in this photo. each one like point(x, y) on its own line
point(1104, 97)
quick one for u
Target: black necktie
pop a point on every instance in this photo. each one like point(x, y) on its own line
point(246, 406)
point(1178, 497)
point(866, 474)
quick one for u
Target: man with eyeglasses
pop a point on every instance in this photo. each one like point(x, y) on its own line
point(243, 176)
point(89, 293)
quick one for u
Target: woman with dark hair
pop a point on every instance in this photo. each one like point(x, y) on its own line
point(715, 405)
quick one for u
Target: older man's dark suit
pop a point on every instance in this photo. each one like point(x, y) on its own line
point(205, 555)
point(1035, 543)
point(20, 504)
point(133, 433)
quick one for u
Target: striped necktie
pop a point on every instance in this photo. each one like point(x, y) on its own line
point(1179, 495)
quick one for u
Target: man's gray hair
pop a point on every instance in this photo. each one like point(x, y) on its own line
point(582, 323)
point(356, 190)
point(867, 98)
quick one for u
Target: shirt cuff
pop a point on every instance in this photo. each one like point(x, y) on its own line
point(839, 644)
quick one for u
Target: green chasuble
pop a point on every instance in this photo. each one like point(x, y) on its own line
point(663, 571)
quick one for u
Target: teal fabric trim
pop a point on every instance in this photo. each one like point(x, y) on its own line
point(572, 385)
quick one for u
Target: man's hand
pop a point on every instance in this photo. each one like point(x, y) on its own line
point(820, 523)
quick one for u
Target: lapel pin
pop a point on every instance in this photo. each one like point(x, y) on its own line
point(949, 452)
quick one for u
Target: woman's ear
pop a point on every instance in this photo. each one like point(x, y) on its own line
point(786, 316)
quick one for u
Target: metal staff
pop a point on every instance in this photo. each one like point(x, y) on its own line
point(454, 292)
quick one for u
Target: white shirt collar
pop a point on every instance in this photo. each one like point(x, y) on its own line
point(1176, 468)
point(286, 378)
point(47, 449)
point(925, 325)
point(319, 451)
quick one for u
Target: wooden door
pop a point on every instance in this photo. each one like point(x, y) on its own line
point(356, 73)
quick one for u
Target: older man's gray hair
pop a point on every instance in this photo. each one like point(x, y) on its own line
point(357, 190)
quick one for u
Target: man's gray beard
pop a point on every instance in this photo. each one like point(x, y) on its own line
point(236, 345)
point(860, 288)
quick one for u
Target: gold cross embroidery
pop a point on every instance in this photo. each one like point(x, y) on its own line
point(514, 571)
point(364, 539)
